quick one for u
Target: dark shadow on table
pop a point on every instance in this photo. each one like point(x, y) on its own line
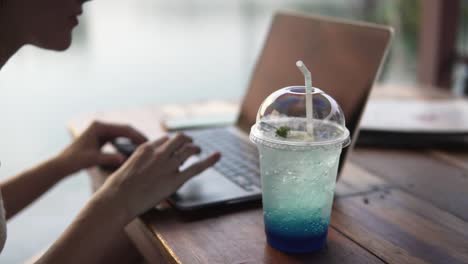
point(216, 211)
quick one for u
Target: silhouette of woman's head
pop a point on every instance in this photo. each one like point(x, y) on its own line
point(44, 23)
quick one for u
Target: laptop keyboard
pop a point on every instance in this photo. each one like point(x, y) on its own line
point(239, 160)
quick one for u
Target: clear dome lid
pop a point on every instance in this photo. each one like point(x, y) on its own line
point(282, 120)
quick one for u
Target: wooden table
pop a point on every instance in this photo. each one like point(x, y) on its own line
point(391, 206)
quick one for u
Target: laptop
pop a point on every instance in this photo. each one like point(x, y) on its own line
point(344, 57)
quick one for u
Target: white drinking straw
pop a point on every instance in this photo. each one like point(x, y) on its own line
point(309, 101)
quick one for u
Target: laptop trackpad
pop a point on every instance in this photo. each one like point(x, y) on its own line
point(209, 187)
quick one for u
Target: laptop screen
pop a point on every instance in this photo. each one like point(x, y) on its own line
point(344, 58)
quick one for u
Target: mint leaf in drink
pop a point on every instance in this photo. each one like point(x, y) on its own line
point(283, 131)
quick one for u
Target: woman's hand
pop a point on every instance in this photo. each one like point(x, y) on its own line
point(146, 178)
point(152, 173)
point(86, 152)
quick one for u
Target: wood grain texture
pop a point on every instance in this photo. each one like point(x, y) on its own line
point(357, 181)
point(238, 238)
point(421, 174)
point(456, 158)
point(401, 228)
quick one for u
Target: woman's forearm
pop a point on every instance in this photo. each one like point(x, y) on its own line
point(21, 190)
point(87, 238)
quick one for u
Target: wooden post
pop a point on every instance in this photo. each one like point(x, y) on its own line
point(437, 41)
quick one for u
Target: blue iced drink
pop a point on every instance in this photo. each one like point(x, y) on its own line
point(298, 189)
point(298, 167)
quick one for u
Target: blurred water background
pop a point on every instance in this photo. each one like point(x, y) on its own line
point(131, 53)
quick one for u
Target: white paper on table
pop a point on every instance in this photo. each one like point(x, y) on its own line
point(412, 115)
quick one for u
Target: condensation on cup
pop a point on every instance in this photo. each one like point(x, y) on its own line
point(300, 132)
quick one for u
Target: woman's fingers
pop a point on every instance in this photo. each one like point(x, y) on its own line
point(184, 153)
point(147, 150)
point(110, 159)
point(200, 166)
point(107, 132)
point(175, 143)
point(158, 142)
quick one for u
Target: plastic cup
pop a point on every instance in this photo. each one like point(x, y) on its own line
point(298, 170)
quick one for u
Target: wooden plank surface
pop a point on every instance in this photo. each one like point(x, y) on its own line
point(398, 234)
point(238, 237)
point(167, 237)
point(401, 228)
point(457, 158)
point(421, 174)
point(357, 181)
point(395, 225)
